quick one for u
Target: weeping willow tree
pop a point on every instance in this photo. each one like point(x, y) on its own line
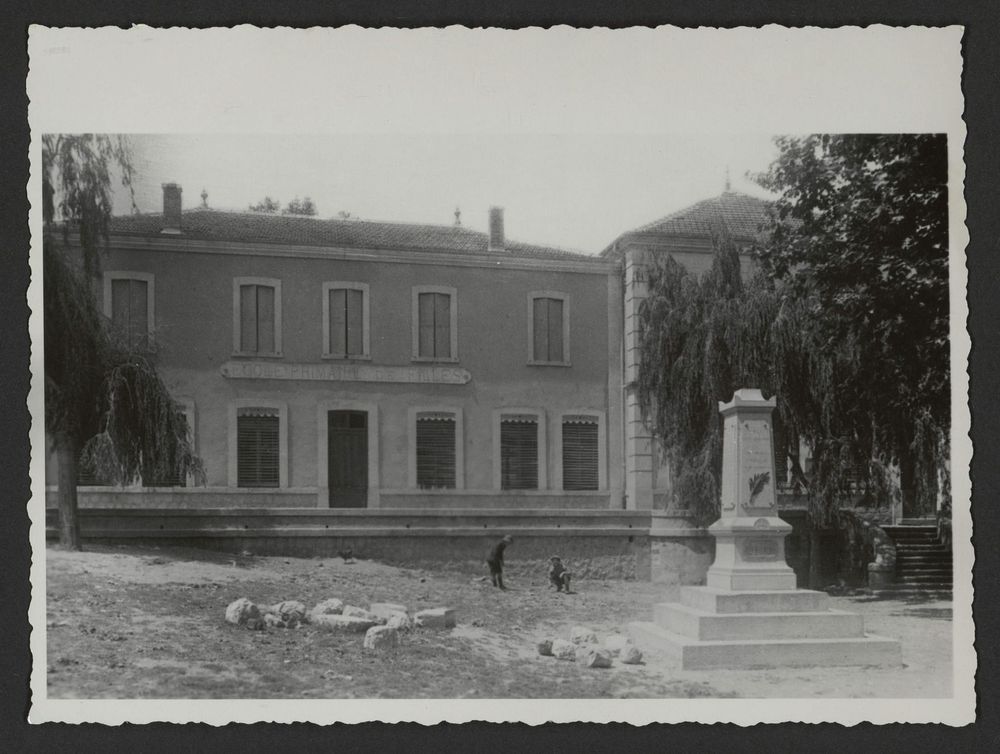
point(104, 401)
point(701, 338)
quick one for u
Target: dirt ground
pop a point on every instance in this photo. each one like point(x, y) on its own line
point(131, 622)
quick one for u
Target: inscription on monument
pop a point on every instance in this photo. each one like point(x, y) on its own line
point(757, 460)
point(760, 549)
point(265, 370)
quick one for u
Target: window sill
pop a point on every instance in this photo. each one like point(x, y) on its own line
point(345, 357)
point(244, 355)
point(435, 359)
point(533, 363)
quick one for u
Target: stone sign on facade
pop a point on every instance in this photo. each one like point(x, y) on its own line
point(266, 370)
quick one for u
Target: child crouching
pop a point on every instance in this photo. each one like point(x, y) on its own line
point(558, 575)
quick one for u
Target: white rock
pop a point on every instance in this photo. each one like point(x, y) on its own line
point(399, 621)
point(331, 606)
point(615, 643)
point(545, 647)
point(242, 610)
point(386, 609)
point(438, 617)
point(352, 611)
point(342, 623)
point(563, 650)
point(289, 612)
point(271, 620)
point(631, 656)
point(582, 635)
point(597, 658)
point(381, 638)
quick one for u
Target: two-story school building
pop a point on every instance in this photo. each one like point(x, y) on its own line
point(354, 364)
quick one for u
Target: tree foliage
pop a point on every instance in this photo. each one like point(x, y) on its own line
point(845, 320)
point(859, 236)
point(102, 393)
point(300, 207)
point(266, 205)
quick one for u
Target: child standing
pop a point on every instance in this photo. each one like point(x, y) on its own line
point(495, 561)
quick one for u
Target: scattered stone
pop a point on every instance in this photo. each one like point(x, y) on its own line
point(241, 611)
point(615, 643)
point(273, 621)
point(582, 635)
point(352, 611)
point(327, 607)
point(631, 656)
point(256, 624)
point(597, 658)
point(386, 609)
point(342, 623)
point(381, 638)
point(399, 621)
point(545, 647)
point(563, 650)
point(290, 613)
point(438, 617)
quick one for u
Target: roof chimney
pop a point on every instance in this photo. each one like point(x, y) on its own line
point(171, 208)
point(496, 229)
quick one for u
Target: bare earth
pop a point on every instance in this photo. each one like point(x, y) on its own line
point(131, 622)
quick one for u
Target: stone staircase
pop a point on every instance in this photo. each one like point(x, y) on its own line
point(923, 563)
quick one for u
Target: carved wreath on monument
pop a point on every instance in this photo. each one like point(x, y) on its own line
point(757, 484)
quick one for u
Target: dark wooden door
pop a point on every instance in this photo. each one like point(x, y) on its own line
point(347, 450)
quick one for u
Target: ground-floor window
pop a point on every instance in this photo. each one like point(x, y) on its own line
point(435, 434)
point(580, 453)
point(258, 461)
point(519, 453)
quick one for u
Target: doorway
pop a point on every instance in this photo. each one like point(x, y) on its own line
point(347, 458)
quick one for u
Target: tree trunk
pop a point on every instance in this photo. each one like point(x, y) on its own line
point(66, 457)
point(907, 486)
point(815, 559)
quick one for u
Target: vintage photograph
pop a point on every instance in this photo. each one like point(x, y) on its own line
point(459, 417)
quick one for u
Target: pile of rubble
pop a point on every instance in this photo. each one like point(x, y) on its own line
point(583, 646)
point(381, 622)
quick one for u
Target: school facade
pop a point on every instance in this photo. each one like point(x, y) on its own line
point(360, 381)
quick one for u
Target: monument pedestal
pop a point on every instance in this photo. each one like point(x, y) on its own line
point(750, 614)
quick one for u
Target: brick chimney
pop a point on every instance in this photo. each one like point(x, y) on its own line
point(496, 229)
point(171, 208)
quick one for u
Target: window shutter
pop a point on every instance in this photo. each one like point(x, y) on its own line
point(265, 319)
point(436, 451)
point(519, 453)
point(555, 324)
point(442, 325)
point(338, 328)
point(540, 325)
point(138, 330)
point(257, 461)
point(248, 318)
point(354, 315)
point(425, 315)
point(580, 458)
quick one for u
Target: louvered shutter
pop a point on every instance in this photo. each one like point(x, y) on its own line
point(436, 451)
point(519, 453)
point(257, 463)
point(580, 458)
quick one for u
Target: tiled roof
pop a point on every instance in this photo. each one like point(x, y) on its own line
point(741, 215)
point(294, 230)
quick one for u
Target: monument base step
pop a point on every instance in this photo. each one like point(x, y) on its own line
point(712, 600)
point(766, 653)
point(708, 626)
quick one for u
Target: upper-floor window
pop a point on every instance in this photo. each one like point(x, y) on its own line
point(128, 303)
point(435, 323)
point(257, 316)
point(345, 320)
point(548, 328)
